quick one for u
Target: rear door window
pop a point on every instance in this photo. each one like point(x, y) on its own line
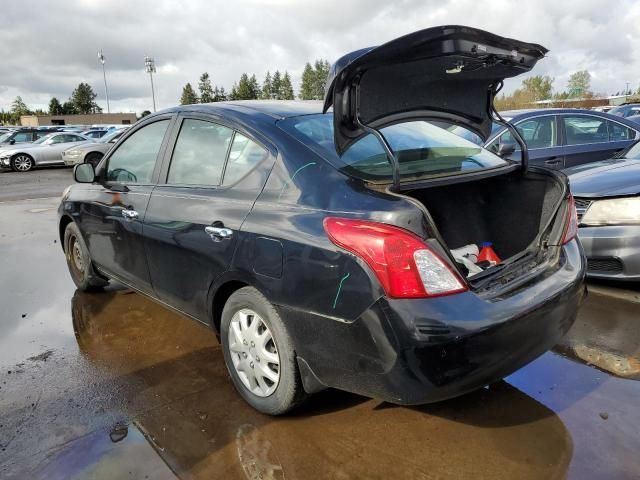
point(245, 154)
point(619, 133)
point(585, 129)
point(22, 137)
point(200, 152)
point(135, 158)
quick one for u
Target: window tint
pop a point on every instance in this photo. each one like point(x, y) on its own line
point(537, 133)
point(619, 132)
point(22, 137)
point(41, 134)
point(199, 154)
point(582, 129)
point(59, 139)
point(245, 154)
point(134, 160)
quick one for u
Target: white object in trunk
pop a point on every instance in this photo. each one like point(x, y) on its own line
point(467, 256)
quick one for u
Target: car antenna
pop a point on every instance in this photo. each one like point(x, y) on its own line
point(496, 117)
point(393, 160)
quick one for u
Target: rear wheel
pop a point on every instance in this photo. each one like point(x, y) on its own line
point(79, 261)
point(259, 353)
point(22, 162)
point(93, 158)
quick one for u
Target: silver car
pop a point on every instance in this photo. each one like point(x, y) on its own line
point(92, 152)
point(607, 197)
point(44, 151)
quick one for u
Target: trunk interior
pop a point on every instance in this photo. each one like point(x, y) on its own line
point(507, 210)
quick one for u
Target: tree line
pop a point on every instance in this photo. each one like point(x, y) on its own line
point(274, 87)
point(82, 100)
point(540, 87)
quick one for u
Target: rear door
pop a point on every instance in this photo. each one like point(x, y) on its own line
point(113, 216)
point(589, 138)
point(211, 179)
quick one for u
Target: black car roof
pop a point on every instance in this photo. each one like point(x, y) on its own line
point(274, 108)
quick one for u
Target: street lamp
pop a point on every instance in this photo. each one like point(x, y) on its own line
point(150, 67)
point(104, 76)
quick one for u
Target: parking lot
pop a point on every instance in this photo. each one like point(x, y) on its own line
point(111, 381)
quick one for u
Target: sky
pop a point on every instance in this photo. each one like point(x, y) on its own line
point(47, 47)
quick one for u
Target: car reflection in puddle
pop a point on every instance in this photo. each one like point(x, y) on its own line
point(176, 390)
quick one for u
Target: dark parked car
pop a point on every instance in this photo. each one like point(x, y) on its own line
point(563, 138)
point(322, 257)
point(627, 110)
point(608, 200)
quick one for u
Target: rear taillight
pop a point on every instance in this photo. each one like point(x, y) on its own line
point(571, 225)
point(405, 266)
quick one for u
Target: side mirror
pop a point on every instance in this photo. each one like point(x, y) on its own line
point(506, 149)
point(12, 141)
point(84, 173)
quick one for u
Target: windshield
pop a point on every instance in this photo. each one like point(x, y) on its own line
point(422, 149)
point(43, 139)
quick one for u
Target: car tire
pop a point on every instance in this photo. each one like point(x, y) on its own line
point(93, 158)
point(279, 396)
point(79, 262)
point(22, 162)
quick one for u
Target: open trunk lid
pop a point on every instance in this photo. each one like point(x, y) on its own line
point(448, 73)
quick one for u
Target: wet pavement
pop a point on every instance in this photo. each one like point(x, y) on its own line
point(112, 385)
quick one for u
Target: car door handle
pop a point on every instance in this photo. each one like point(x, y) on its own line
point(129, 214)
point(552, 161)
point(218, 233)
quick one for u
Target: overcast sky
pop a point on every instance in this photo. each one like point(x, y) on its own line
point(47, 47)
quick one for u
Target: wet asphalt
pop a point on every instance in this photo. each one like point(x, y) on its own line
point(112, 385)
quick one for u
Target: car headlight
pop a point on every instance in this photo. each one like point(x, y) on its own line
point(617, 211)
point(73, 153)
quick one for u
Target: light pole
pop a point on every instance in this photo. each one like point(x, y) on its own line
point(150, 67)
point(104, 76)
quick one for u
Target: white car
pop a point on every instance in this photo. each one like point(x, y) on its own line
point(44, 151)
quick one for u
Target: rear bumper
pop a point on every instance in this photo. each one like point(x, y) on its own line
point(613, 252)
point(426, 350)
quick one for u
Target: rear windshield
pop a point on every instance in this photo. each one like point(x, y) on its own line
point(422, 149)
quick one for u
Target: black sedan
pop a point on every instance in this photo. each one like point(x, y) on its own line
point(337, 249)
point(565, 137)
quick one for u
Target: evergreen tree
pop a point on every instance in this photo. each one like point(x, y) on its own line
point(286, 89)
point(19, 108)
point(276, 85)
point(145, 113)
point(266, 87)
point(254, 88)
point(189, 96)
point(68, 108)
point(222, 95)
point(83, 99)
point(206, 90)
point(307, 88)
point(321, 71)
point(55, 107)
point(234, 92)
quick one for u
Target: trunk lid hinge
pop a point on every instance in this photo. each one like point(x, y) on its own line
point(393, 160)
point(496, 117)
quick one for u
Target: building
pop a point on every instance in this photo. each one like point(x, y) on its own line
point(88, 119)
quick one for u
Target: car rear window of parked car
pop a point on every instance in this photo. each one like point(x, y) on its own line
point(422, 149)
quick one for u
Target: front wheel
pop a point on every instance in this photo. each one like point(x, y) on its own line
point(22, 163)
point(79, 261)
point(94, 159)
point(259, 353)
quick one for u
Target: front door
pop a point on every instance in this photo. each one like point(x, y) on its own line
point(193, 220)
point(112, 223)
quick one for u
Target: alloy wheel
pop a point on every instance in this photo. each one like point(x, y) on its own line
point(23, 163)
point(254, 353)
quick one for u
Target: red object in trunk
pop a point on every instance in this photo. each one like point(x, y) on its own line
point(487, 254)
